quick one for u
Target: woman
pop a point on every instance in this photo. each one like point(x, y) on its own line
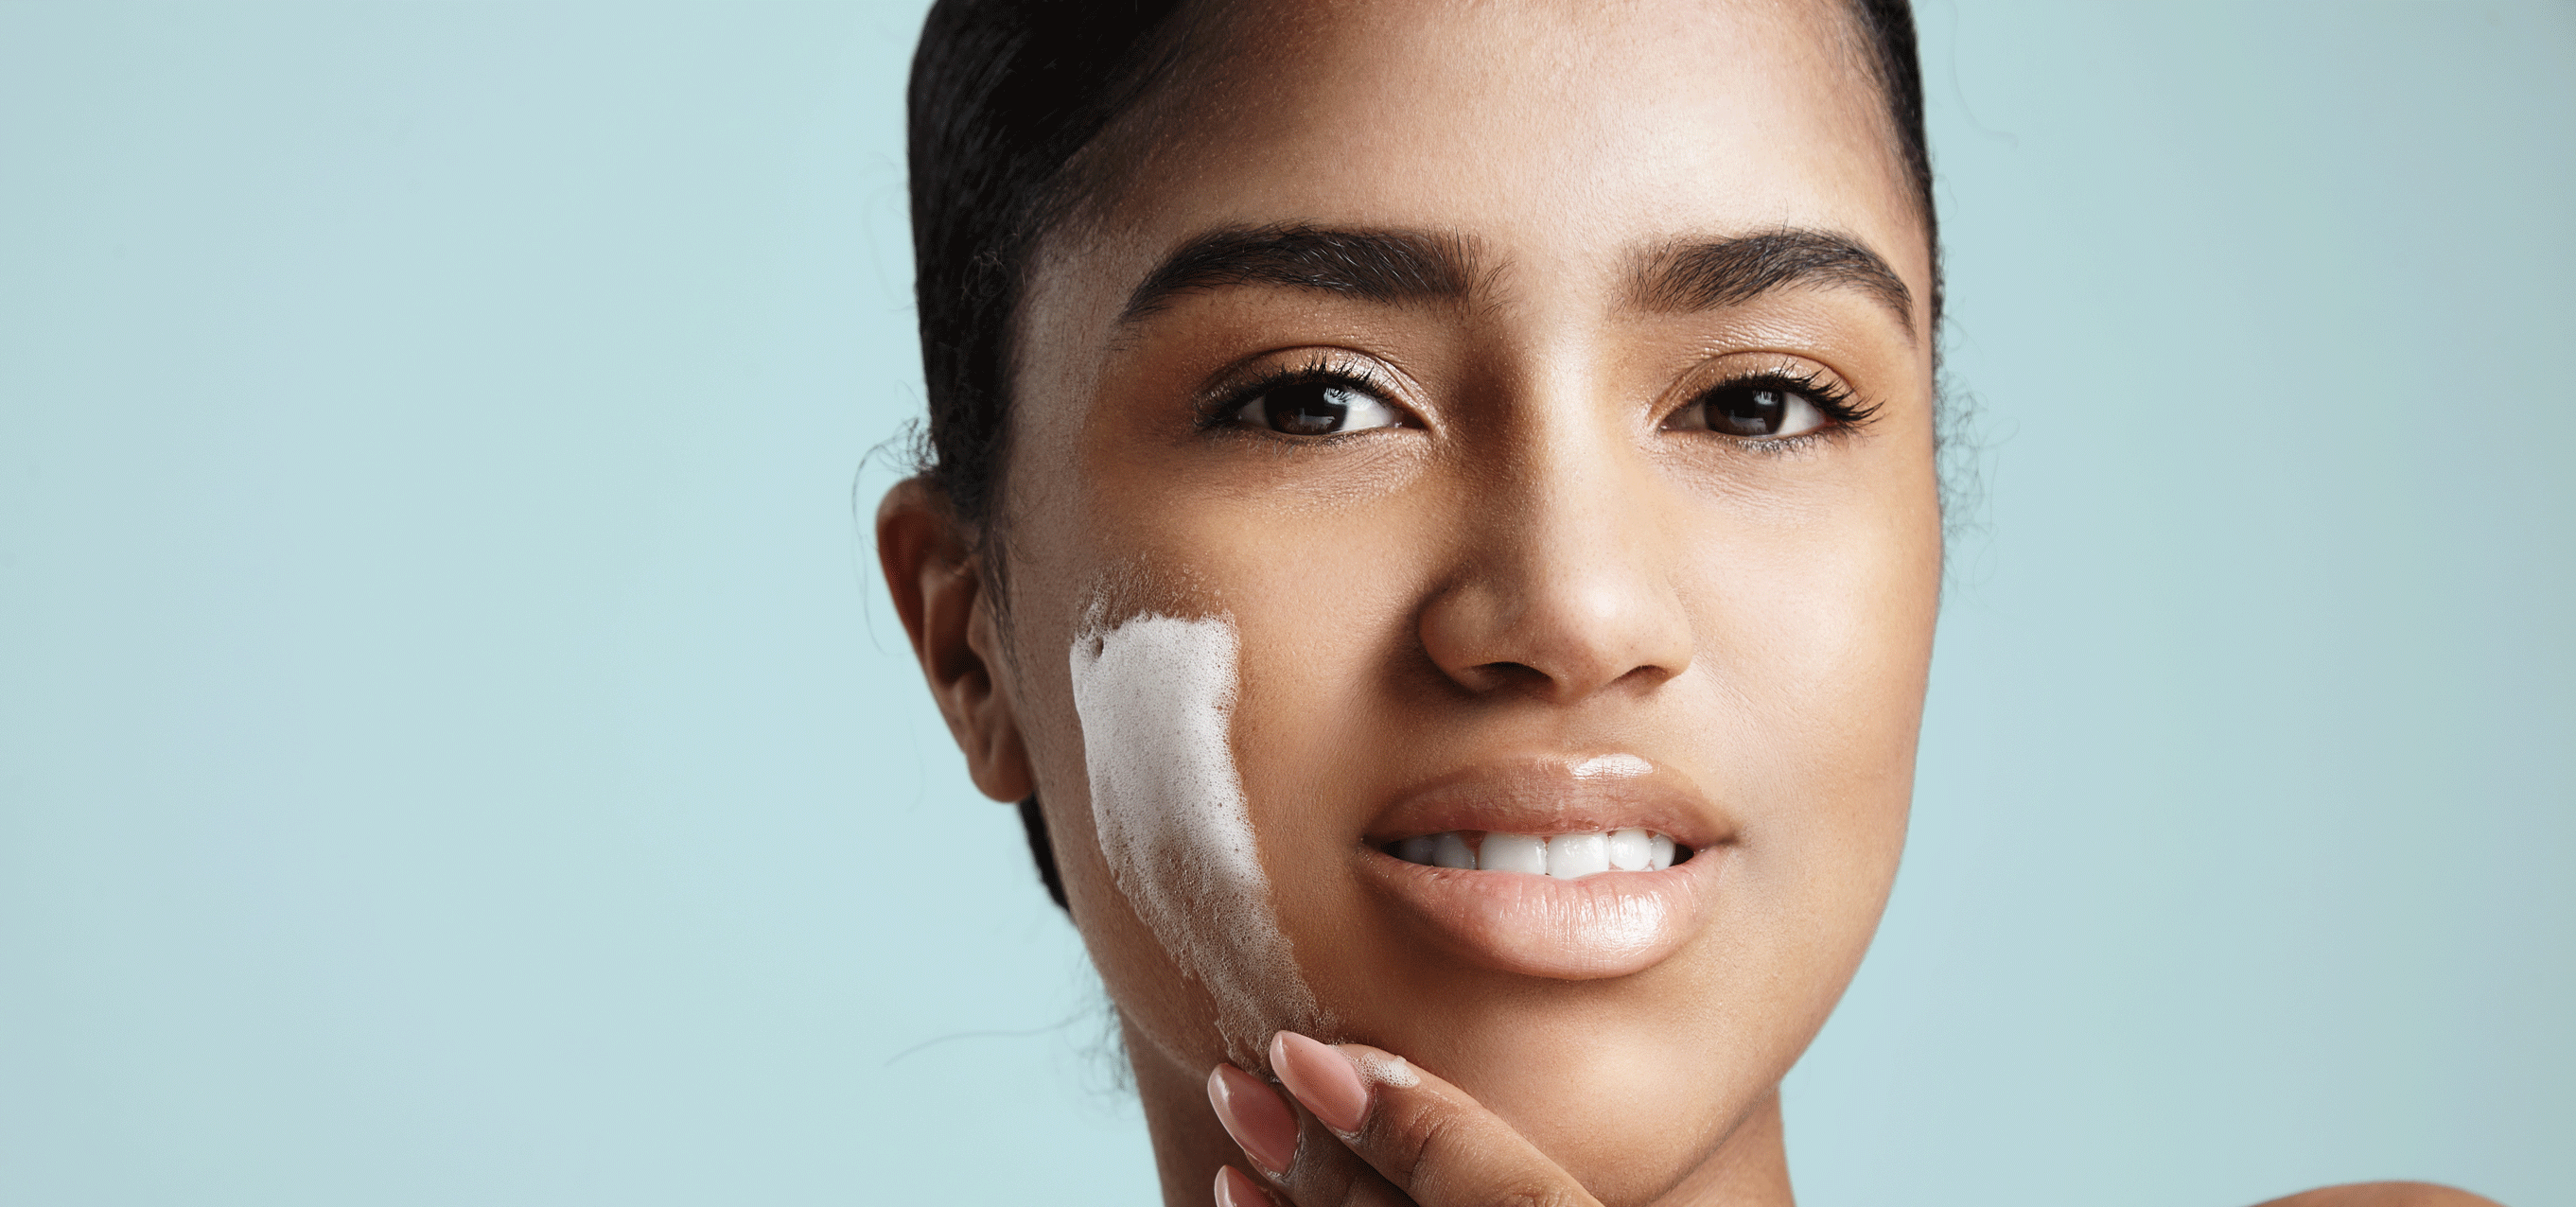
point(1432, 510)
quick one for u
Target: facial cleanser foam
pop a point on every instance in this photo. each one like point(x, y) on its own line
point(1156, 698)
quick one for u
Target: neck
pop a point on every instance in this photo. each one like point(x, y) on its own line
point(1748, 1167)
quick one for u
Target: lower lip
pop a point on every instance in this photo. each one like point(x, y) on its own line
point(1612, 924)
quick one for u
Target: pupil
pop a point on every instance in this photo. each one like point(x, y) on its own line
point(1313, 409)
point(1750, 412)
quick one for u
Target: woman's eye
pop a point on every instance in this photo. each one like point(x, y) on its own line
point(1317, 408)
point(1759, 412)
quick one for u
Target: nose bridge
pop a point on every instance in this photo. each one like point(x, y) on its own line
point(1567, 584)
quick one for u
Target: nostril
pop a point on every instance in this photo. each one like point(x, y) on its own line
point(1649, 673)
point(1514, 674)
point(1523, 677)
point(1522, 629)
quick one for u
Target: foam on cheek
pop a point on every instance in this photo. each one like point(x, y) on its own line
point(1155, 696)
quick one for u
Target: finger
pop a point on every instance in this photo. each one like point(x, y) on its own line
point(1235, 1188)
point(1427, 1138)
point(1312, 1157)
point(1260, 1121)
point(1304, 1163)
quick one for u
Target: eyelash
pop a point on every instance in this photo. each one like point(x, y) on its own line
point(1842, 407)
point(1216, 413)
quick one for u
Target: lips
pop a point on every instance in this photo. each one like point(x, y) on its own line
point(1552, 867)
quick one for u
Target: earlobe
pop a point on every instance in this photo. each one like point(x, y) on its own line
point(938, 591)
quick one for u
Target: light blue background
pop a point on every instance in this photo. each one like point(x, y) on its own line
point(453, 749)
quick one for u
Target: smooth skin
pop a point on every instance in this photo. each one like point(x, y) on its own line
point(1537, 549)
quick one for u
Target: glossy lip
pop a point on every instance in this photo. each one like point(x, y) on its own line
point(1608, 925)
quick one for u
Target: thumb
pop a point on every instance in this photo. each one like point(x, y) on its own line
point(1429, 1138)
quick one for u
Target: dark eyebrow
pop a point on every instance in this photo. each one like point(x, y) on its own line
point(1685, 276)
point(1379, 266)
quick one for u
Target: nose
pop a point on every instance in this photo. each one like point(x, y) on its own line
point(1565, 586)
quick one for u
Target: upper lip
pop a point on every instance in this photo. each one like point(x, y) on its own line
point(1545, 794)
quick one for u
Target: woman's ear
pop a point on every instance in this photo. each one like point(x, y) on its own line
point(938, 590)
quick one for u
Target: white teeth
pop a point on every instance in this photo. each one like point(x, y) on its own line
point(1575, 856)
point(1513, 853)
point(1564, 856)
point(1630, 850)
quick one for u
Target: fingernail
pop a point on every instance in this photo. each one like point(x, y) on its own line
point(1255, 1116)
point(1322, 1078)
point(1235, 1188)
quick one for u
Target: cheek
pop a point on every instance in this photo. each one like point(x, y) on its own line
point(1827, 662)
point(1155, 697)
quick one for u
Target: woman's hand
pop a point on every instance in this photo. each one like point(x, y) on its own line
point(1373, 1131)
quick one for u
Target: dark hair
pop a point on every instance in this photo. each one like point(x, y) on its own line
point(1889, 25)
point(1004, 95)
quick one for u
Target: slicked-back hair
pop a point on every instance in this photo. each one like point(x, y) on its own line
point(1004, 94)
point(1889, 28)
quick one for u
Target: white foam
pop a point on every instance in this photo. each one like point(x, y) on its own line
point(1156, 698)
point(1389, 1071)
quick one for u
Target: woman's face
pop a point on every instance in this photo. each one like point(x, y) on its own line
point(1541, 395)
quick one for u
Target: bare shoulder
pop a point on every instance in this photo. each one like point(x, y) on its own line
point(2384, 1194)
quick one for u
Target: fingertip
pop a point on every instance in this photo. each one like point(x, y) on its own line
point(1235, 1188)
point(1255, 1115)
point(1322, 1078)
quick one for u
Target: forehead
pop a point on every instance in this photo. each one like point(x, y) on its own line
point(1555, 135)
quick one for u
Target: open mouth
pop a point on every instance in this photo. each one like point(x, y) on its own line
point(1619, 863)
point(1563, 856)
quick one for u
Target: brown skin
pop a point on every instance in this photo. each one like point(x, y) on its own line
point(1535, 563)
point(2383, 1194)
